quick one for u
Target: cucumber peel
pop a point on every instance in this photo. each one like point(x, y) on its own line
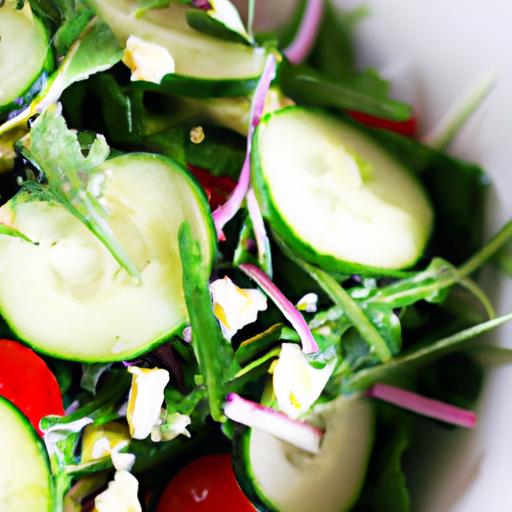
point(25, 477)
point(278, 477)
point(25, 53)
point(66, 296)
point(211, 61)
point(334, 197)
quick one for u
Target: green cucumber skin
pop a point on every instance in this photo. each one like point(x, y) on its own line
point(202, 22)
point(23, 420)
point(200, 87)
point(243, 472)
point(246, 478)
point(285, 232)
point(203, 202)
point(46, 68)
point(111, 359)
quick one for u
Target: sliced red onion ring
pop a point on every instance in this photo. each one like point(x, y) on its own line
point(306, 34)
point(424, 406)
point(258, 225)
point(254, 415)
point(287, 308)
point(224, 213)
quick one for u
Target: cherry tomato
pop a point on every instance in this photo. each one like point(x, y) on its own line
point(407, 127)
point(207, 484)
point(217, 188)
point(28, 383)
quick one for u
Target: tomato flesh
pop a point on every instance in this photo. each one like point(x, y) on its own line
point(207, 484)
point(407, 127)
point(28, 383)
point(217, 188)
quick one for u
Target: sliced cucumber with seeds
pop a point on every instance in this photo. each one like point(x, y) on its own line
point(279, 477)
point(24, 52)
point(25, 478)
point(206, 65)
point(335, 197)
point(68, 297)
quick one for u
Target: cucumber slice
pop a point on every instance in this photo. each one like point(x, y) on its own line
point(335, 197)
point(24, 51)
point(278, 476)
point(68, 297)
point(202, 60)
point(25, 477)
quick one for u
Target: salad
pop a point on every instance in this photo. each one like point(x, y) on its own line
point(231, 276)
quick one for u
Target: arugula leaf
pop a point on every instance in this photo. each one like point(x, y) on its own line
point(62, 433)
point(504, 259)
point(419, 356)
point(123, 112)
point(377, 330)
point(305, 84)
point(46, 10)
point(432, 284)
point(56, 151)
point(97, 49)
point(334, 51)
point(213, 352)
point(70, 30)
point(9, 231)
point(253, 346)
point(91, 374)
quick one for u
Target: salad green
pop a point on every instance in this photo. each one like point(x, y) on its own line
point(226, 241)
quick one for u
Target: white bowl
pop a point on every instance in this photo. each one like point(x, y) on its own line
point(433, 50)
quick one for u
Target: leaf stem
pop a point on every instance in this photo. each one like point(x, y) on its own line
point(355, 314)
point(449, 278)
point(366, 378)
point(207, 340)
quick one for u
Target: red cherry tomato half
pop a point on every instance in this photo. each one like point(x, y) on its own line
point(28, 383)
point(217, 188)
point(407, 127)
point(207, 484)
